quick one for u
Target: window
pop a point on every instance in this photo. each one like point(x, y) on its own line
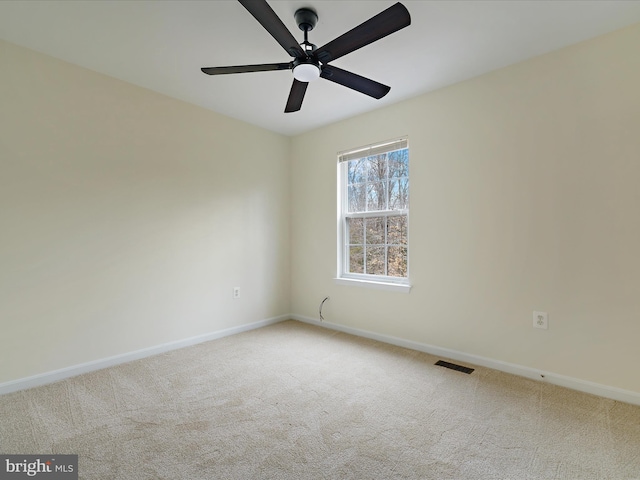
point(374, 214)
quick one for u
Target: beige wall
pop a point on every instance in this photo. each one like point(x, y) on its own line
point(524, 196)
point(126, 218)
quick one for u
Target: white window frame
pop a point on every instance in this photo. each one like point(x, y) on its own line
point(344, 277)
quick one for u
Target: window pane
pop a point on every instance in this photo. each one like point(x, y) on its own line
point(375, 260)
point(375, 186)
point(396, 261)
point(399, 194)
point(356, 259)
point(399, 163)
point(356, 231)
point(397, 230)
point(376, 196)
point(357, 198)
point(375, 231)
point(377, 168)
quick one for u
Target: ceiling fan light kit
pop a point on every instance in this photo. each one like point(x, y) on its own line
point(310, 62)
point(306, 72)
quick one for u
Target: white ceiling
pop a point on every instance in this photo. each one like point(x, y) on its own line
point(161, 45)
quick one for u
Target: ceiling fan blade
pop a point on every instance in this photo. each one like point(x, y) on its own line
point(262, 12)
point(354, 81)
point(385, 23)
point(296, 95)
point(264, 67)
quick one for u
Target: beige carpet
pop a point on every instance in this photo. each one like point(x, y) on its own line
point(293, 401)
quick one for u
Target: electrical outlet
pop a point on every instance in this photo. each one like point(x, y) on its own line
point(541, 320)
point(236, 292)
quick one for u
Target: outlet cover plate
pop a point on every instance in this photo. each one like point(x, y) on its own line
point(541, 320)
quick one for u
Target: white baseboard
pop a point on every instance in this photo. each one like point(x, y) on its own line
point(614, 393)
point(61, 374)
point(549, 377)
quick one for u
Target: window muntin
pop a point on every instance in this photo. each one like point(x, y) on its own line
point(374, 213)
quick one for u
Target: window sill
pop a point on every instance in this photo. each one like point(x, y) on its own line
point(393, 287)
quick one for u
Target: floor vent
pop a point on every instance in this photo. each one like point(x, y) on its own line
point(453, 366)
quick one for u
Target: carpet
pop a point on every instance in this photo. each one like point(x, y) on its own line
point(295, 401)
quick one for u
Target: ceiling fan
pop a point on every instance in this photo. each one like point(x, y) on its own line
point(310, 62)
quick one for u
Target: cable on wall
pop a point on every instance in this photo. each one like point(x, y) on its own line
point(320, 308)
